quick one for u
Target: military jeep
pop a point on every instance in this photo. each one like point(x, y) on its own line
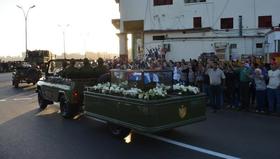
point(25, 73)
point(67, 90)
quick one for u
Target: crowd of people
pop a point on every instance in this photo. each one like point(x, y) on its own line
point(242, 85)
point(8, 66)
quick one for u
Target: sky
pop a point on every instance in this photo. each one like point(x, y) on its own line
point(90, 27)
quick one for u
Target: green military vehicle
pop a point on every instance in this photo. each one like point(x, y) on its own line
point(39, 57)
point(144, 101)
point(64, 85)
point(25, 73)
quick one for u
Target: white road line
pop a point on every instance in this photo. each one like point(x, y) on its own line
point(20, 99)
point(202, 150)
point(31, 95)
point(3, 100)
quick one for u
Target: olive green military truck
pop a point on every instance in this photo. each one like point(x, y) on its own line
point(25, 73)
point(64, 82)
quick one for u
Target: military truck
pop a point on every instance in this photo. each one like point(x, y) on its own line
point(25, 73)
point(68, 91)
point(39, 58)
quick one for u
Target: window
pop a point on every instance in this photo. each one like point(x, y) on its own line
point(194, 1)
point(233, 46)
point(160, 37)
point(226, 23)
point(197, 22)
point(259, 45)
point(265, 21)
point(162, 2)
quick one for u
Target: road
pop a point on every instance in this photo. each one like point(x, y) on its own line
point(27, 133)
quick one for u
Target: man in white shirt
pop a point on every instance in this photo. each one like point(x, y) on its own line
point(216, 75)
point(273, 88)
point(177, 73)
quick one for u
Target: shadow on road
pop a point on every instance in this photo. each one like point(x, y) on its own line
point(54, 137)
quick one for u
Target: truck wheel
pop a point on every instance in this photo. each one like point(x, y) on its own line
point(15, 84)
point(118, 131)
point(65, 108)
point(42, 102)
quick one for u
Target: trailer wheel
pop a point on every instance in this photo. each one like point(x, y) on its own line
point(65, 108)
point(118, 131)
point(42, 102)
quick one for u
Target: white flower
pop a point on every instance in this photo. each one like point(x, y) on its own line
point(184, 89)
point(141, 96)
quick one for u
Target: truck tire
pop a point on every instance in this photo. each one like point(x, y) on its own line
point(42, 102)
point(65, 108)
point(118, 131)
point(15, 83)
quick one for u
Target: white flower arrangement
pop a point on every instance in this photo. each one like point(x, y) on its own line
point(99, 86)
point(132, 92)
point(115, 89)
point(156, 93)
point(181, 89)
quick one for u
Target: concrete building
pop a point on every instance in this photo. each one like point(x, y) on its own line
point(187, 28)
point(272, 44)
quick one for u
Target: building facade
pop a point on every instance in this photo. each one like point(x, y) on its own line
point(188, 28)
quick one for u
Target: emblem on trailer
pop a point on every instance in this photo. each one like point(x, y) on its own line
point(182, 111)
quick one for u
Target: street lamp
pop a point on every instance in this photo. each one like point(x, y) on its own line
point(63, 34)
point(25, 14)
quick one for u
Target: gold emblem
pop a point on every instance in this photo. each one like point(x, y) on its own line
point(182, 111)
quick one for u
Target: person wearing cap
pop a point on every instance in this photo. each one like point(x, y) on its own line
point(217, 77)
point(273, 88)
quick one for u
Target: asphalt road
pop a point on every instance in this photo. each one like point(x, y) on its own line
point(27, 133)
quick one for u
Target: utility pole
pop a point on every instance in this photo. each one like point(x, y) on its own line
point(63, 34)
point(25, 14)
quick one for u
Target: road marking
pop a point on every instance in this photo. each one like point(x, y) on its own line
point(3, 100)
point(20, 99)
point(31, 95)
point(187, 146)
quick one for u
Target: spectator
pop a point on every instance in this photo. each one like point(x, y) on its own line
point(191, 75)
point(273, 88)
point(177, 72)
point(260, 90)
point(216, 75)
point(199, 76)
point(230, 86)
point(245, 78)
